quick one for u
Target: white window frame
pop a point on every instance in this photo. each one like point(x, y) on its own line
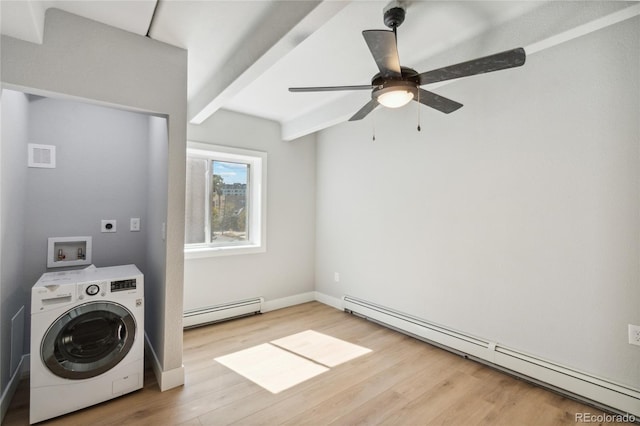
point(257, 219)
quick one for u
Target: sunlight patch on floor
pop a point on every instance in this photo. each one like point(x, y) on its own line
point(323, 349)
point(270, 367)
point(286, 362)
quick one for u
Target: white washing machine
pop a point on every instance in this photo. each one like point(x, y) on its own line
point(87, 338)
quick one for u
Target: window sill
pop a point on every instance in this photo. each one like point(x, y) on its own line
point(201, 252)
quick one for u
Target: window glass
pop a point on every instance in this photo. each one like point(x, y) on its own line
point(225, 201)
point(229, 201)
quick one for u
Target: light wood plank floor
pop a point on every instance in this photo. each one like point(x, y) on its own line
point(402, 382)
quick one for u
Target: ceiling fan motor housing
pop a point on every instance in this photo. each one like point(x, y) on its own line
point(394, 15)
point(410, 81)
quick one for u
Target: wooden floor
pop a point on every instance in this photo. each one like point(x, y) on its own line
point(402, 382)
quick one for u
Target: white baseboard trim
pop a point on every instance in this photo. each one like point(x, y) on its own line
point(587, 387)
point(334, 302)
point(166, 379)
point(285, 302)
point(8, 392)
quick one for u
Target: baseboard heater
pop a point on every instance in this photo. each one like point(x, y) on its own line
point(588, 388)
point(222, 312)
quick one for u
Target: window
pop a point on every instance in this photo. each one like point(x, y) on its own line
point(225, 201)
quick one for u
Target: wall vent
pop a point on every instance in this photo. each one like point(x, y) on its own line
point(42, 156)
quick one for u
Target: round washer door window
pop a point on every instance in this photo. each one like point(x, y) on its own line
point(88, 340)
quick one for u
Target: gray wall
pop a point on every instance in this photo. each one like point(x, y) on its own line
point(122, 69)
point(286, 269)
point(13, 154)
point(101, 173)
point(516, 218)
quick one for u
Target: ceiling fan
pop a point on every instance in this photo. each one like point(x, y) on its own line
point(395, 85)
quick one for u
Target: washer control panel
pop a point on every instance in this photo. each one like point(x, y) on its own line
point(123, 285)
point(92, 289)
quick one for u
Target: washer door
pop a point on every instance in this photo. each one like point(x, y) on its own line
point(88, 340)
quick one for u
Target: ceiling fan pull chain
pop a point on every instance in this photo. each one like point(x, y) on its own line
point(373, 129)
point(419, 111)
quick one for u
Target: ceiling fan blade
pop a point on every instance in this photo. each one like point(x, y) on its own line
point(499, 61)
point(330, 88)
point(362, 113)
point(438, 102)
point(382, 44)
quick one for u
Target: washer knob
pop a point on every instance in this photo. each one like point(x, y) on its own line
point(93, 289)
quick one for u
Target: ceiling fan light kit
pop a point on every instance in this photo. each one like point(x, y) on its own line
point(395, 86)
point(395, 98)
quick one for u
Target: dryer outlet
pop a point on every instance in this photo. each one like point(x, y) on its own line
point(108, 225)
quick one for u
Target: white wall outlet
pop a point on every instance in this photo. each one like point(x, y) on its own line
point(634, 334)
point(134, 224)
point(108, 225)
point(336, 277)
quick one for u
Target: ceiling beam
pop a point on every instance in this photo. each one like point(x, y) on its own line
point(337, 111)
point(288, 24)
point(584, 29)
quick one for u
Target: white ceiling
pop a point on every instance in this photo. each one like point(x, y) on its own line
point(243, 55)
